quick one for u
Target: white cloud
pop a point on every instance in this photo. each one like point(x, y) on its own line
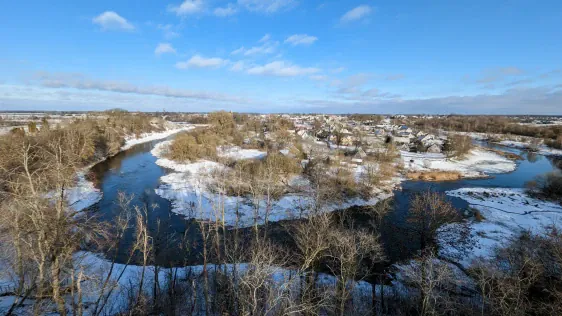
point(164, 48)
point(351, 84)
point(265, 38)
point(168, 30)
point(188, 7)
point(264, 49)
point(268, 47)
point(301, 39)
point(338, 70)
point(318, 77)
point(198, 61)
point(240, 50)
point(267, 6)
point(229, 10)
point(110, 20)
point(81, 82)
point(498, 74)
point(282, 69)
point(394, 77)
point(238, 66)
point(356, 13)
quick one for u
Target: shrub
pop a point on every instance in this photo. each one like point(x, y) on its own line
point(193, 146)
point(457, 145)
point(548, 186)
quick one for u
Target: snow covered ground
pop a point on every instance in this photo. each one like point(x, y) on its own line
point(519, 142)
point(237, 153)
point(188, 188)
point(125, 276)
point(479, 163)
point(147, 137)
point(541, 149)
point(84, 194)
point(507, 213)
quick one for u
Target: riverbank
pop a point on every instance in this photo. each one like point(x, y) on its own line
point(479, 163)
point(504, 215)
point(512, 141)
point(84, 193)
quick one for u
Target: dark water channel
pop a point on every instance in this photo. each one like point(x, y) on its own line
point(134, 172)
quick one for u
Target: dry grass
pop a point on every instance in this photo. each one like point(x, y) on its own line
point(508, 155)
point(435, 175)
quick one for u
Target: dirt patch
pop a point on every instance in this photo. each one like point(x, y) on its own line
point(435, 175)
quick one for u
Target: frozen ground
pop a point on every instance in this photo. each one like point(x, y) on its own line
point(189, 190)
point(479, 163)
point(507, 213)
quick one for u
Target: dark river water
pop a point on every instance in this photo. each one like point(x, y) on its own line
point(134, 172)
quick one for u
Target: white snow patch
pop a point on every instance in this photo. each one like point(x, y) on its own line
point(84, 194)
point(507, 213)
point(237, 153)
point(131, 141)
point(96, 268)
point(477, 164)
point(541, 149)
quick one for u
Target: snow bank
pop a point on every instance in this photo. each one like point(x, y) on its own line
point(238, 153)
point(147, 137)
point(516, 141)
point(477, 164)
point(507, 213)
point(541, 149)
point(84, 194)
point(80, 196)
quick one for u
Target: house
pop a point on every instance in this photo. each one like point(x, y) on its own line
point(434, 149)
point(426, 138)
point(404, 128)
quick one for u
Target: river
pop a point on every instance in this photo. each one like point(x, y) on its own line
point(134, 172)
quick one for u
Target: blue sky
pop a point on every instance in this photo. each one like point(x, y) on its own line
point(488, 57)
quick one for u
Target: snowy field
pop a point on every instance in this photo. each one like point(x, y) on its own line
point(507, 213)
point(479, 163)
point(188, 188)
